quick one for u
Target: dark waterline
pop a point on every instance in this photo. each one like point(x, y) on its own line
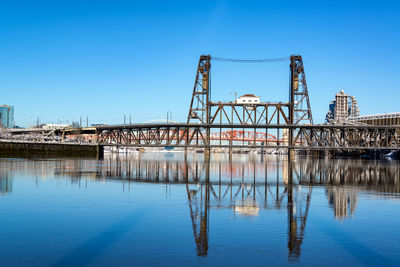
point(169, 209)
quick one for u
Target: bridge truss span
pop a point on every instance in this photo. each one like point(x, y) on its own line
point(334, 137)
point(306, 137)
point(253, 114)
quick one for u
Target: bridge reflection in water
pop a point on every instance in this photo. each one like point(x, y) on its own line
point(246, 184)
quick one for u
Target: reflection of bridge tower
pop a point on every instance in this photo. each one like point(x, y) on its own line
point(343, 200)
point(199, 202)
point(241, 186)
point(199, 198)
point(244, 200)
point(298, 206)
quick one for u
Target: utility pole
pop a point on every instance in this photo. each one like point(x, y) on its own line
point(87, 121)
point(124, 119)
point(130, 119)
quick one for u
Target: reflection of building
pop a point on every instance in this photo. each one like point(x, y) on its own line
point(343, 200)
point(7, 116)
point(285, 176)
point(5, 185)
point(343, 107)
point(248, 207)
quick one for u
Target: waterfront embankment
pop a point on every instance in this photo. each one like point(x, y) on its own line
point(13, 148)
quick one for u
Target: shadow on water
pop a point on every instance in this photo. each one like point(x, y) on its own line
point(87, 252)
point(244, 184)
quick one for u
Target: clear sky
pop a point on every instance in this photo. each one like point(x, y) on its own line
point(61, 60)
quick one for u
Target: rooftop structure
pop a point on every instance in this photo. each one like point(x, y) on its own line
point(248, 99)
point(50, 126)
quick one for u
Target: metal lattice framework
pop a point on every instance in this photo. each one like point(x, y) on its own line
point(299, 99)
point(199, 106)
point(253, 114)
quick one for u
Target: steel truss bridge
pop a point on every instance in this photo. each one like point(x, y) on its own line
point(286, 125)
point(274, 125)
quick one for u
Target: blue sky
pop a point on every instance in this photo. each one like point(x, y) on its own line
point(61, 60)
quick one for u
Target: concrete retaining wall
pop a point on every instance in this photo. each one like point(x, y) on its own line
point(50, 149)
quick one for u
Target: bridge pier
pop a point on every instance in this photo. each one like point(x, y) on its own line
point(207, 152)
point(100, 152)
point(291, 153)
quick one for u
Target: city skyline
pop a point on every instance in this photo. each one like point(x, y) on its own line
point(66, 60)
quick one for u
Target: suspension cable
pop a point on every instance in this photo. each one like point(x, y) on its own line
point(250, 60)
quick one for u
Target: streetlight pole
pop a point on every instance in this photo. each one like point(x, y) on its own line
point(167, 116)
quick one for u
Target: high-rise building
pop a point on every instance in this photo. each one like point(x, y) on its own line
point(343, 107)
point(7, 116)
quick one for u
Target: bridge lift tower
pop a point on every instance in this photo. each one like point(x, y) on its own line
point(299, 102)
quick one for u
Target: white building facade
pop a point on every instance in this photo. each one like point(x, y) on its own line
point(248, 99)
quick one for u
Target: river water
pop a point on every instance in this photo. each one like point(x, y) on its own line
point(169, 209)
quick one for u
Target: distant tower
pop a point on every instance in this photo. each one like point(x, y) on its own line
point(7, 116)
point(341, 111)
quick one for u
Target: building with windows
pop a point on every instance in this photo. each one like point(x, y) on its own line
point(344, 110)
point(7, 116)
point(343, 107)
point(385, 119)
